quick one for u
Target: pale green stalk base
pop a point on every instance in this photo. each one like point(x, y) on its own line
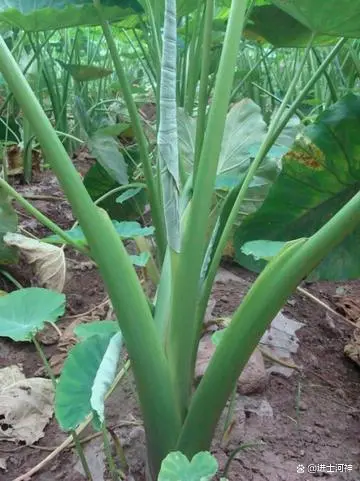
point(157, 398)
point(183, 330)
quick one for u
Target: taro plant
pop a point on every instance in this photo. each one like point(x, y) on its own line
point(162, 335)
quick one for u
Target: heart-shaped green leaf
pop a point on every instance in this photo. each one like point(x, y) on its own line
point(87, 375)
point(24, 312)
point(177, 467)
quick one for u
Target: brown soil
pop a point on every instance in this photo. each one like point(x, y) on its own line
point(315, 417)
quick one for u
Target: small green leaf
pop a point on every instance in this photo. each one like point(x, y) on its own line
point(130, 230)
point(176, 467)
point(113, 129)
point(24, 312)
point(262, 249)
point(85, 73)
point(87, 329)
point(75, 388)
point(140, 260)
point(128, 194)
point(106, 151)
point(126, 230)
point(217, 336)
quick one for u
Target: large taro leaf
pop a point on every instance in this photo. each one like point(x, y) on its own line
point(268, 23)
point(320, 174)
point(40, 15)
point(24, 312)
point(245, 130)
point(8, 223)
point(87, 375)
point(329, 17)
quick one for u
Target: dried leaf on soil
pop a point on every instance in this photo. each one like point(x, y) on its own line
point(352, 349)
point(349, 307)
point(48, 260)
point(3, 464)
point(26, 405)
point(281, 341)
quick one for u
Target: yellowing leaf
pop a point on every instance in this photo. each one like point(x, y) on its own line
point(47, 260)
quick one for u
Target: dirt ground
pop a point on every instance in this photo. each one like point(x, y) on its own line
point(313, 419)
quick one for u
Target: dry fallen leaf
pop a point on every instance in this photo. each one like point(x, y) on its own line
point(280, 341)
point(3, 464)
point(348, 306)
point(48, 260)
point(352, 348)
point(26, 405)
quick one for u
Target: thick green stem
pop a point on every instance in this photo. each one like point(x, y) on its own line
point(157, 398)
point(183, 330)
point(154, 197)
point(192, 60)
point(204, 79)
point(261, 304)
